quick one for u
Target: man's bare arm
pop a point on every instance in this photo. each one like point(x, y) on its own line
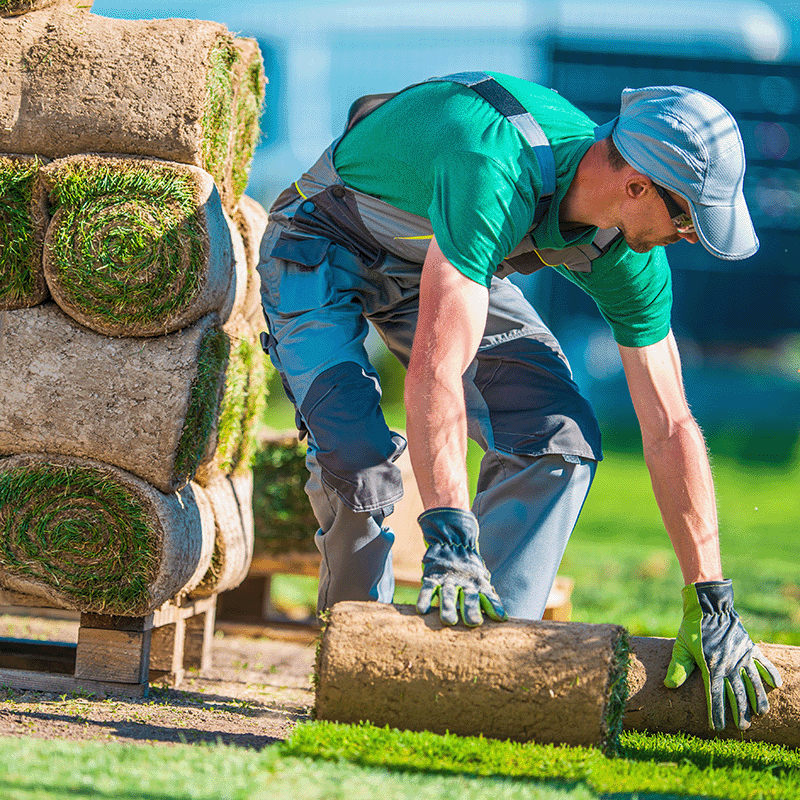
point(676, 456)
point(452, 318)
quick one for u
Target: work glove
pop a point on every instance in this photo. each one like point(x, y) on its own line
point(712, 637)
point(454, 572)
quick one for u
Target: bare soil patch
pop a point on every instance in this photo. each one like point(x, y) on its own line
point(258, 689)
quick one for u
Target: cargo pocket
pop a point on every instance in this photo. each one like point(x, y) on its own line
point(306, 252)
point(304, 279)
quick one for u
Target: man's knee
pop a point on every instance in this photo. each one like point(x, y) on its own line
point(352, 445)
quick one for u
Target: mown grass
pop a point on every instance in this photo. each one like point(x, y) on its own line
point(323, 761)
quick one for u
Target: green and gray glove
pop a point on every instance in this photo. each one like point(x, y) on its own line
point(454, 571)
point(712, 637)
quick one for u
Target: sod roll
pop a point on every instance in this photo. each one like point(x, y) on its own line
point(234, 441)
point(23, 222)
point(653, 707)
point(527, 681)
point(233, 537)
point(251, 218)
point(97, 539)
point(12, 8)
point(180, 90)
point(136, 247)
point(148, 406)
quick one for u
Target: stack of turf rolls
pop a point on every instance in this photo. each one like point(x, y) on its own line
point(133, 379)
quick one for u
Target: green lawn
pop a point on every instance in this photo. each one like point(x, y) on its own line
point(325, 761)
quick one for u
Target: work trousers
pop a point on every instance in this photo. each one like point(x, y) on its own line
point(540, 436)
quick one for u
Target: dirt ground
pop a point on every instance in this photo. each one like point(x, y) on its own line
point(258, 689)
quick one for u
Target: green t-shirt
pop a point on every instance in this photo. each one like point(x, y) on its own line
point(442, 152)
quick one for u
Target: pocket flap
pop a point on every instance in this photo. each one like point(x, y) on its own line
point(307, 251)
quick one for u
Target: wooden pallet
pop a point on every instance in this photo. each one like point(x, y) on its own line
point(113, 655)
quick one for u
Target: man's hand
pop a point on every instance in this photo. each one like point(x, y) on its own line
point(712, 637)
point(454, 571)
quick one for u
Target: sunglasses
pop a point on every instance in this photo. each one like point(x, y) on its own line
point(680, 219)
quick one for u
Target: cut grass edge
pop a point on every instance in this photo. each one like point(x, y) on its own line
point(654, 763)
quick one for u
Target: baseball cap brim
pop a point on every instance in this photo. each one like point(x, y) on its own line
point(726, 231)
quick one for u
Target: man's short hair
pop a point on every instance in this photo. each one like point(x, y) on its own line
point(615, 159)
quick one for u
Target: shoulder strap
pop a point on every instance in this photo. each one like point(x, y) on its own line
point(505, 104)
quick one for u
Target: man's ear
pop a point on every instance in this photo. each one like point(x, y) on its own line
point(637, 185)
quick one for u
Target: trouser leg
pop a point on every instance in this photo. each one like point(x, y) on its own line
point(316, 342)
point(542, 445)
point(528, 507)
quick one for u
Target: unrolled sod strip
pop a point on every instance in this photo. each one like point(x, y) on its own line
point(233, 544)
point(23, 222)
point(148, 406)
point(136, 247)
point(527, 681)
point(653, 707)
point(171, 88)
point(95, 538)
point(11, 8)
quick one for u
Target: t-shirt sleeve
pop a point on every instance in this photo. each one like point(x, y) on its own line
point(479, 212)
point(633, 292)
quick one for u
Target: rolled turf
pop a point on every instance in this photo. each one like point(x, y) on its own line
point(231, 500)
point(653, 707)
point(180, 90)
point(135, 247)
point(12, 8)
point(23, 222)
point(233, 444)
point(148, 406)
point(527, 681)
point(94, 538)
point(251, 219)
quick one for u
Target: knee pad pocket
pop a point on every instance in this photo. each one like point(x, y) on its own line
point(353, 446)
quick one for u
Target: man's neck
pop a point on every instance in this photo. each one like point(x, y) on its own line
point(588, 201)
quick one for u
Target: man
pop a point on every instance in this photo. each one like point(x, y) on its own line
point(409, 220)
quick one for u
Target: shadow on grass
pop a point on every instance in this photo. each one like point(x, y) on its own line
point(37, 790)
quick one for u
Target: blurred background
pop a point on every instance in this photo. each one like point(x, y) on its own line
point(738, 323)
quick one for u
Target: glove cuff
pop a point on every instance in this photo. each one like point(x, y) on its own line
point(454, 527)
point(711, 597)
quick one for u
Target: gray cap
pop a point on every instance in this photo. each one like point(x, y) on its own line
point(687, 142)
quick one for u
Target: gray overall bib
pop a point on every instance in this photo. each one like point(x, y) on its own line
point(333, 258)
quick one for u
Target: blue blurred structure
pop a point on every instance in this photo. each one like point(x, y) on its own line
point(739, 322)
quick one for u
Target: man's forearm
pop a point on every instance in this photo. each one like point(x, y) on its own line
point(684, 489)
point(437, 440)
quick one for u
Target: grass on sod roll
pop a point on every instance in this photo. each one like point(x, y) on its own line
point(218, 109)
point(130, 247)
point(243, 406)
point(17, 242)
point(204, 402)
point(248, 129)
point(76, 530)
point(234, 401)
point(255, 410)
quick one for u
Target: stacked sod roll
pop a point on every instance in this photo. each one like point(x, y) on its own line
point(133, 377)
